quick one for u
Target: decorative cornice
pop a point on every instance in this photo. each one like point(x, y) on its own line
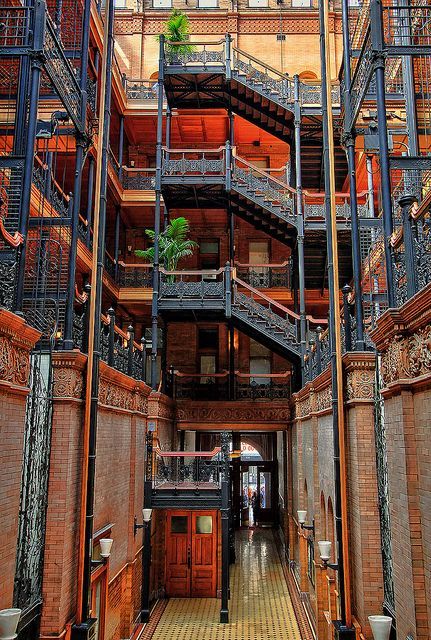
point(407, 357)
point(241, 412)
point(360, 376)
point(160, 406)
point(16, 341)
point(68, 368)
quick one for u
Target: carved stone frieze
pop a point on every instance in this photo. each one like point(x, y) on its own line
point(68, 382)
point(407, 356)
point(112, 395)
point(323, 399)
point(14, 362)
point(360, 385)
point(220, 414)
point(303, 407)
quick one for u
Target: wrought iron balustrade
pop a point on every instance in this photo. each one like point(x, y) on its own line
point(195, 54)
point(16, 26)
point(119, 349)
point(135, 276)
point(407, 25)
point(262, 77)
point(49, 189)
point(258, 185)
point(184, 286)
point(187, 469)
point(138, 179)
point(140, 89)
point(201, 386)
point(62, 74)
point(311, 94)
point(11, 176)
point(113, 161)
point(110, 265)
point(266, 276)
point(216, 386)
point(185, 163)
point(262, 386)
point(361, 79)
point(314, 205)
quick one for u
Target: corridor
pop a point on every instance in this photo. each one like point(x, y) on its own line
point(260, 606)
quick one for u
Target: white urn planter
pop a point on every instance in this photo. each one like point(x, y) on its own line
point(9, 619)
point(380, 626)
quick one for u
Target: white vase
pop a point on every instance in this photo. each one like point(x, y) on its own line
point(9, 619)
point(380, 626)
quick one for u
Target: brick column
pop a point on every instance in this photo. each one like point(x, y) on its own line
point(16, 341)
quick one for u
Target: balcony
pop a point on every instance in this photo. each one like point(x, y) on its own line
point(224, 387)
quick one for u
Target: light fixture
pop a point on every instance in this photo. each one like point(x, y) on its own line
point(325, 554)
point(105, 547)
point(380, 626)
point(9, 619)
point(146, 514)
point(302, 517)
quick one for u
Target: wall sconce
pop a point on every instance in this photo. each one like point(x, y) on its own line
point(380, 626)
point(302, 517)
point(9, 619)
point(105, 551)
point(146, 514)
point(325, 554)
point(132, 163)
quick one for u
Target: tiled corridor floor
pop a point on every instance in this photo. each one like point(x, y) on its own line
point(259, 609)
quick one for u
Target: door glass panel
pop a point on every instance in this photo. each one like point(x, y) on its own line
point(204, 524)
point(265, 489)
point(207, 365)
point(179, 524)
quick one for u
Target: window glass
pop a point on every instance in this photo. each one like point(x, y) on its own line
point(208, 339)
point(204, 524)
point(208, 4)
point(301, 3)
point(162, 4)
point(208, 246)
point(257, 3)
point(179, 524)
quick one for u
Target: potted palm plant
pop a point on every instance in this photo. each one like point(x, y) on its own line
point(177, 30)
point(174, 245)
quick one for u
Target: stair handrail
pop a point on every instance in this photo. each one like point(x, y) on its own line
point(184, 374)
point(338, 194)
point(282, 75)
point(265, 174)
point(172, 150)
point(269, 300)
point(191, 272)
point(269, 265)
point(284, 374)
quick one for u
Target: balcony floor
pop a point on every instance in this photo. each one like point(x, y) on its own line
point(260, 606)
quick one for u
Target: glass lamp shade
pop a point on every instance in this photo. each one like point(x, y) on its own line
point(105, 547)
point(325, 549)
point(147, 514)
point(302, 516)
point(9, 619)
point(380, 626)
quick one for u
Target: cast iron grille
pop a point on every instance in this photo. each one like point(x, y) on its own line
point(15, 26)
point(11, 172)
point(34, 483)
point(383, 493)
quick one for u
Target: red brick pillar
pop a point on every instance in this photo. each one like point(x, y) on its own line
point(16, 341)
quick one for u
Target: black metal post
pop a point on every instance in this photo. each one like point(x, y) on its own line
point(349, 140)
point(385, 174)
point(327, 104)
point(231, 361)
point(47, 183)
point(318, 350)
point(347, 318)
point(168, 129)
point(21, 107)
point(90, 189)
point(35, 73)
point(144, 360)
point(117, 241)
point(146, 554)
point(97, 279)
point(130, 339)
point(300, 220)
point(155, 298)
point(81, 143)
point(409, 250)
point(111, 336)
point(120, 148)
point(87, 290)
point(224, 611)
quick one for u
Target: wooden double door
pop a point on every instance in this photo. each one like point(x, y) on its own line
point(191, 554)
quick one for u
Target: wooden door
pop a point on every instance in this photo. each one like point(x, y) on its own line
point(204, 554)
point(191, 554)
point(178, 554)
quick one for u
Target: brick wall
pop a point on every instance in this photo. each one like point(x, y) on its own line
point(403, 337)
point(16, 341)
point(123, 410)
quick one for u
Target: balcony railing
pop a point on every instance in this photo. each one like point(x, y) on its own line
point(141, 89)
point(407, 25)
point(16, 28)
point(138, 179)
point(187, 469)
point(266, 276)
point(314, 206)
point(135, 276)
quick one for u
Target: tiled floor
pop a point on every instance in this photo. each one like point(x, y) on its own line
point(260, 607)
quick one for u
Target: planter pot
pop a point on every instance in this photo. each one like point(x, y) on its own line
point(380, 626)
point(9, 619)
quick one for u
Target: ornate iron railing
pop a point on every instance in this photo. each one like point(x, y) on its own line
point(16, 27)
point(246, 386)
point(185, 163)
point(135, 276)
point(113, 161)
point(138, 178)
point(140, 89)
point(62, 74)
point(195, 54)
point(311, 94)
point(265, 386)
point(361, 80)
point(49, 189)
point(11, 175)
point(266, 276)
point(407, 25)
point(314, 206)
point(183, 286)
point(262, 78)
point(187, 469)
point(259, 186)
